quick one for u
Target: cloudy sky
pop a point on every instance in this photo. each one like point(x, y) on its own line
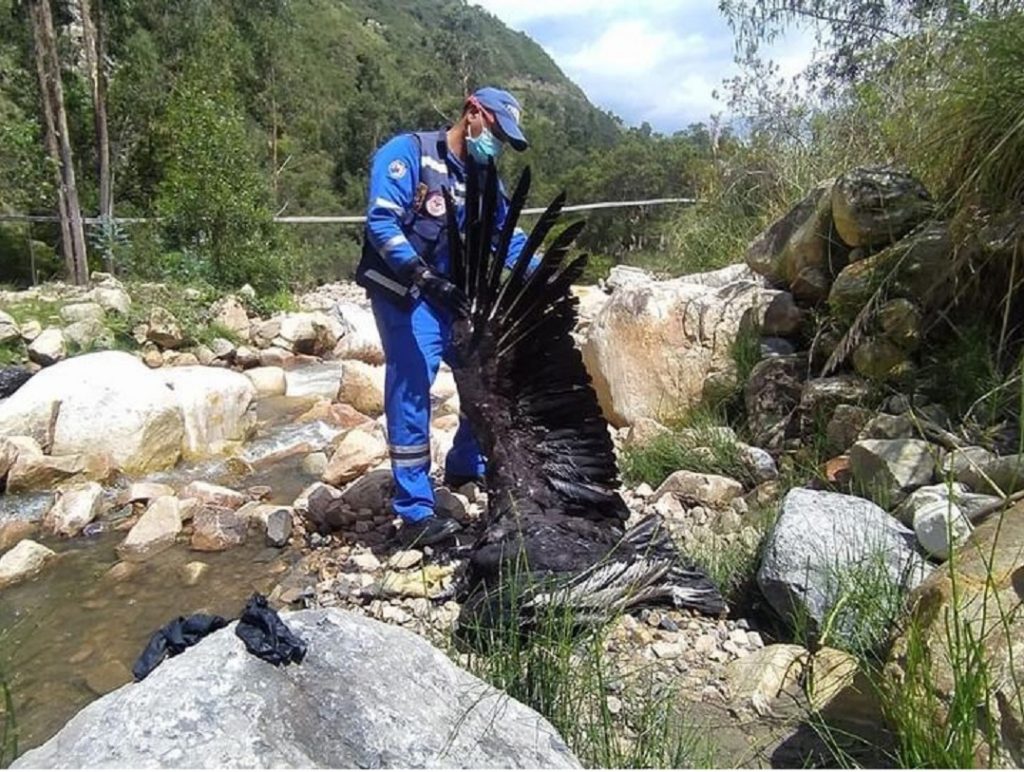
point(645, 60)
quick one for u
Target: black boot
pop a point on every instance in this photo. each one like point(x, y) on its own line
point(430, 530)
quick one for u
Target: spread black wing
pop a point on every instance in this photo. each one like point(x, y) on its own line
point(554, 508)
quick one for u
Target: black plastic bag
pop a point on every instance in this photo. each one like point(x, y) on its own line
point(266, 636)
point(173, 638)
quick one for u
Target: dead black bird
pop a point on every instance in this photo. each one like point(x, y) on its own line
point(555, 527)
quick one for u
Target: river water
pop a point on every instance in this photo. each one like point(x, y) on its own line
point(73, 633)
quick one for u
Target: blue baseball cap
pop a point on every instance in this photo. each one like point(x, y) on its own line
point(506, 111)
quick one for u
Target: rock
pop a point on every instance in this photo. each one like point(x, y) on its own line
point(229, 313)
point(405, 559)
point(771, 395)
point(191, 573)
point(941, 526)
point(152, 357)
point(901, 322)
point(246, 357)
point(74, 508)
point(364, 561)
point(111, 298)
point(876, 206)
point(591, 301)
point(782, 317)
point(800, 251)
point(711, 490)
point(759, 463)
point(964, 461)
point(81, 312)
point(1000, 476)
point(48, 348)
point(879, 359)
point(356, 453)
point(89, 334)
point(760, 678)
point(915, 268)
point(267, 381)
point(217, 407)
point(214, 495)
point(37, 472)
point(823, 541)
point(274, 521)
point(359, 339)
point(644, 430)
point(120, 572)
point(9, 330)
point(335, 414)
point(422, 583)
point(845, 426)
point(966, 609)
point(449, 504)
point(205, 355)
point(163, 328)
point(315, 464)
point(888, 427)
point(654, 347)
point(627, 276)
point(366, 695)
point(13, 531)
point(312, 333)
point(155, 531)
point(322, 506)
point(372, 491)
point(26, 559)
point(776, 347)
point(820, 397)
point(886, 470)
point(30, 330)
point(107, 676)
point(144, 491)
point(102, 403)
point(362, 387)
point(217, 529)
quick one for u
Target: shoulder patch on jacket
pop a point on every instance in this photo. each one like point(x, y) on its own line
point(397, 169)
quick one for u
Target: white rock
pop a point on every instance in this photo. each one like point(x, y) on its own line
point(712, 490)
point(359, 337)
point(9, 329)
point(268, 381)
point(80, 312)
point(941, 526)
point(102, 403)
point(74, 508)
point(216, 495)
point(48, 347)
point(217, 407)
point(25, 559)
point(112, 299)
point(274, 521)
point(155, 531)
point(319, 380)
point(356, 453)
point(362, 387)
point(653, 347)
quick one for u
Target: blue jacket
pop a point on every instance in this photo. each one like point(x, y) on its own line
point(405, 215)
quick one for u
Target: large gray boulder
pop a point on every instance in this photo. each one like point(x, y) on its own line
point(367, 695)
point(826, 544)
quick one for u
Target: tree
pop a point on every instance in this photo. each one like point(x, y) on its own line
point(95, 58)
point(58, 141)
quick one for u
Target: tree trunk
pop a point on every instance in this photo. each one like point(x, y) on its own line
point(50, 139)
point(48, 68)
point(95, 55)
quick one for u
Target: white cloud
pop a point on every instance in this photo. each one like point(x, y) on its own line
point(646, 60)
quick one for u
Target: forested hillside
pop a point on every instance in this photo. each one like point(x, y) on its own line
point(221, 114)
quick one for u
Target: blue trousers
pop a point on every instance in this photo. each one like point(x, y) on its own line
point(413, 343)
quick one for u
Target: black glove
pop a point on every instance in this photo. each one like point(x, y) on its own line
point(440, 292)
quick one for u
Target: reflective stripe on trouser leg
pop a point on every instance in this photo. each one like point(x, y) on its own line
point(412, 349)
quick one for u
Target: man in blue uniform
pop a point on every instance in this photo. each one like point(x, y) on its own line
point(403, 268)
